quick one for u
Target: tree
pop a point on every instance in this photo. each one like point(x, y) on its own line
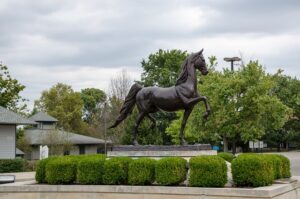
point(65, 105)
point(162, 69)
point(23, 142)
point(243, 106)
point(92, 99)
point(10, 89)
point(287, 89)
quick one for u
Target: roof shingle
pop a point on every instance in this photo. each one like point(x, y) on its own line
point(40, 136)
point(42, 117)
point(10, 117)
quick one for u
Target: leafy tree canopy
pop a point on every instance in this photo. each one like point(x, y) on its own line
point(61, 102)
point(10, 89)
point(242, 106)
point(162, 68)
point(92, 99)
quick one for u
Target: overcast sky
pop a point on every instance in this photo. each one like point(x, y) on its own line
point(85, 43)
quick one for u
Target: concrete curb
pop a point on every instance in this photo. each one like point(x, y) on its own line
point(66, 191)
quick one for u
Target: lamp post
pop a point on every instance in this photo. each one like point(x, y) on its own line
point(232, 60)
point(104, 114)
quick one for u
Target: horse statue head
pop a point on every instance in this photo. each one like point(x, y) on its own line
point(199, 62)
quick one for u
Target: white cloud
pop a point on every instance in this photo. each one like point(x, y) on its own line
point(84, 43)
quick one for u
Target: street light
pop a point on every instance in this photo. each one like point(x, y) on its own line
point(232, 60)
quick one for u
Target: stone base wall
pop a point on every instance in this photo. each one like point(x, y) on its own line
point(276, 191)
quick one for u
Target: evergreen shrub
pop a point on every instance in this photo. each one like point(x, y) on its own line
point(170, 171)
point(207, 171)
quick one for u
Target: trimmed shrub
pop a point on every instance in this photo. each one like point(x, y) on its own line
point(116, 170)
point(207, 171)
point(170, 171)
point(226, 156)
point(61, 171)
point(276, 164)
point(40, 173)
point(13, 165)
point(141, 171)
point(252, 170)
point(285, 167)
point(90, 169)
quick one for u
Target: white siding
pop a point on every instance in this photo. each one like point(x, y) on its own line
point(7, 141)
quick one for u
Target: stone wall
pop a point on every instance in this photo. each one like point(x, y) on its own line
point(276, 191)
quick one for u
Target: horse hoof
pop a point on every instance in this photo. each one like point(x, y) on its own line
point(205, 115)
point(135, 143)
point(183, 143)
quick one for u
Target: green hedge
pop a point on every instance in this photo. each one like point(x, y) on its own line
point(141, 171)
point(226, 156)
point(13, 165)
point(61, 171)
point(252, 170)
point(170, 171)
point(276, 164)
point(285, 167)
point(116, 170)
point(90, 169)
point(207, 171)
point(40, 173)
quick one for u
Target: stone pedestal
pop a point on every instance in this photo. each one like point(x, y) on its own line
point(159, 151)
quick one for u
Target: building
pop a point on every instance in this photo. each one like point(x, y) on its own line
point(46, 133)
point(8, 125)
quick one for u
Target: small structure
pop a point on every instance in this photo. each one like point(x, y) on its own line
point(46, 133)
point(8, 125)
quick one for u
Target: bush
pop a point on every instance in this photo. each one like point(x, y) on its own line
point(141, 171)
point(252, 170)
point(60, 171)
point(116, 170)
point(40, 173)
point(13, 165)
point(207, 171)
point(170, 171)
point(90, 169)
point(226, 156)
point(276, 164)
point(285, 167)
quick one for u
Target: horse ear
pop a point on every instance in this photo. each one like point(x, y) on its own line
point(200, 52)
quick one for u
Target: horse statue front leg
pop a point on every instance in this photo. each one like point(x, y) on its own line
point(207, 107)
point(187, 113)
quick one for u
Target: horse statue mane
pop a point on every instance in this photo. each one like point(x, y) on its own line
point(184, 71)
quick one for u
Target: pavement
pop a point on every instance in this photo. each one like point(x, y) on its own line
point(22, 176)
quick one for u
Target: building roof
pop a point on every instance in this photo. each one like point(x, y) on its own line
point(40, 137)
point(42, 117)
point(10, 117)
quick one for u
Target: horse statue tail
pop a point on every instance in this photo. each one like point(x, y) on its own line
point(128, 104)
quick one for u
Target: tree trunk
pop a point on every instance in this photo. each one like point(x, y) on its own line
point(225, 144)
point(234, 146)
point(287, 146)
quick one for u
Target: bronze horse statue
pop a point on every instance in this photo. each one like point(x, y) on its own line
point(183, 95)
